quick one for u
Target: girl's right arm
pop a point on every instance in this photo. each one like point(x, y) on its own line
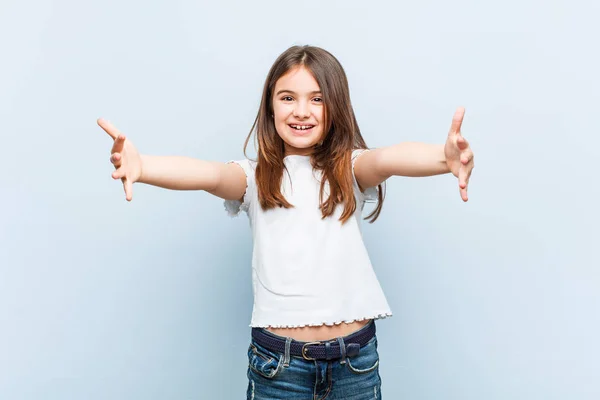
point(227, 181)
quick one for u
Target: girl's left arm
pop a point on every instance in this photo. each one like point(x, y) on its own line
point(419, 159)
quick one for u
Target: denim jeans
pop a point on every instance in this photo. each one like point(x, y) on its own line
point(274, 376)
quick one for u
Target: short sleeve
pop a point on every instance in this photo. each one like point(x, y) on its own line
point(233, 207)
point(370, 194)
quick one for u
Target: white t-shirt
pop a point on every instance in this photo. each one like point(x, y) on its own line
point(308, 271)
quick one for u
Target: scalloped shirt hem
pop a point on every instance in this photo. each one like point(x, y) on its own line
point(348, 321)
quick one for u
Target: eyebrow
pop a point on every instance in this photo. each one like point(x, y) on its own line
point(292, 92)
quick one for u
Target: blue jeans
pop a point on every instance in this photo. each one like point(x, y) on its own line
point(275, 376)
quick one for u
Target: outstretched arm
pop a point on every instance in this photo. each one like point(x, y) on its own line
point(419, 159)
point(227, 181)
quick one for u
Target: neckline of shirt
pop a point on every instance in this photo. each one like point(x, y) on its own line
point(297, 157)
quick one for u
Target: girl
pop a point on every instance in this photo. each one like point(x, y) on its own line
point(316, 297)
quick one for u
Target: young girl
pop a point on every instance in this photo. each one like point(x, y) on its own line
point(316, 296)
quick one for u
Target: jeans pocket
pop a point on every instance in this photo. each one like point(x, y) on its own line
point(264, 362)
point(367, 359)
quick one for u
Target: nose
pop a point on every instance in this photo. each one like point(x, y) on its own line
point(301, 110)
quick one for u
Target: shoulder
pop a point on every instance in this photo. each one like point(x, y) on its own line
point(356, 153)
point(249, 166)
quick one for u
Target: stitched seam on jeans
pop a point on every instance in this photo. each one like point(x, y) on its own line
point(329, 372)
point(316, 380)
point(257, 352)
point(361, 371)
point(275, 372)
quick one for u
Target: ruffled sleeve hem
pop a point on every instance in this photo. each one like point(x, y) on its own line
point(370, 195)
point(233, 207)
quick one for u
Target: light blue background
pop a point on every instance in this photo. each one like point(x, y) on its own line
point(103, 299)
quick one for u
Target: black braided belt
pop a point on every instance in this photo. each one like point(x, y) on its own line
point(324, 350)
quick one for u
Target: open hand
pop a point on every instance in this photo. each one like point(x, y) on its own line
point(125, 158)
point(459, 156)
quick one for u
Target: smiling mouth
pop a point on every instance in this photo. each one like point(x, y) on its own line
point(301, 128)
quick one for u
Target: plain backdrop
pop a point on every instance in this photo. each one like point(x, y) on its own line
point(104, 299)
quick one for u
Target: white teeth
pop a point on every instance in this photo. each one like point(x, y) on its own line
point(301, 127)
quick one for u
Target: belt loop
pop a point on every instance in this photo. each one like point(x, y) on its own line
point(286, 356)
point(342, 349)
point(327, 351)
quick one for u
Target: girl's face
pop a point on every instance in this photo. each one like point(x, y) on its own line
point(298, 111)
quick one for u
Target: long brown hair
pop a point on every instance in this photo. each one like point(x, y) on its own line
point(332, 155)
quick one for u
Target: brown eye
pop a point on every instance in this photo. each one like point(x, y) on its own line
point(318, 99)
point(286, 98)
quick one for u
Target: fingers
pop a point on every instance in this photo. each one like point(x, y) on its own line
point(464, 175)
point(128, 186)
point(466, 154)
point(118, 144)
point(118, 174)
point(462, 143)
point(119, 138)
point(466, 157)
point(108, 128)
point(115, 159)
point(463, 195)
point(457, 121)
point(463, 184)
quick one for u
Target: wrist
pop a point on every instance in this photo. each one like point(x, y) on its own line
point(143, 160)
point(446, 159)
point(441, 159)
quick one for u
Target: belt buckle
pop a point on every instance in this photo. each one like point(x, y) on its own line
point(305, 350)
